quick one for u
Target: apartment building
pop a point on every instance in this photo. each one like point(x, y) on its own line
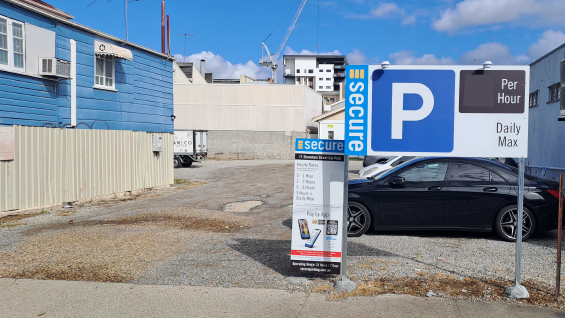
point(323, 73)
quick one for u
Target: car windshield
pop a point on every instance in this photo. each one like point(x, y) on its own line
point(391, 170)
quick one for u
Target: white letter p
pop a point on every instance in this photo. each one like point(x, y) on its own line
point(399, 115)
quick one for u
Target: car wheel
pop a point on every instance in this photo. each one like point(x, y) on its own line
point(507, 219)
point(359, 219)
point(177, 163)
point(187, 164)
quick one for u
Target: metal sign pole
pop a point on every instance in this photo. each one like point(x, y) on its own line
point(559, 236)
point(343, 267)
point(520, 212)
point(519, 291)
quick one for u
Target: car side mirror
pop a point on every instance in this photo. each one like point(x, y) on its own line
point(397, 181)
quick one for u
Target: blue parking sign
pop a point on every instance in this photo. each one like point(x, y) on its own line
point(413, 110)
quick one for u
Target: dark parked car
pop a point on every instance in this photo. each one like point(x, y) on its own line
point(451, 193)
point(371, 160)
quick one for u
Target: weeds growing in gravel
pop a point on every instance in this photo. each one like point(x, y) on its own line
point(447, 286)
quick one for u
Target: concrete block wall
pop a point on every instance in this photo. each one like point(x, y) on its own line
point(236, 144)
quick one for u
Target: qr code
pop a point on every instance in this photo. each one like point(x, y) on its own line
point(331, 227)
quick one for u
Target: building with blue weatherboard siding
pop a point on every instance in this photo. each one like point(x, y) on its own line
point(112, 91)
point(67, 88)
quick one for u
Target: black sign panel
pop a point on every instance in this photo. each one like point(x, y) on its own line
point(492, 91)
point(315, 267)
point(314, 156)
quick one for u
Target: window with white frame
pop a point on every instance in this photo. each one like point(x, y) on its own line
point(328, 87)
point(12, 50)
point(104, 77)
point(534, 99)
point(328, 79)
point(553, 95)
point(321, 79)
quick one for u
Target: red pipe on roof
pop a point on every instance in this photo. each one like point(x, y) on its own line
point(163, 27)
point(168, 36)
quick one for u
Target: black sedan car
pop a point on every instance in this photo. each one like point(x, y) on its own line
point(451, 194)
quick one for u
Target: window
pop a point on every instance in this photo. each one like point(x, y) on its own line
point(297, 71)
point(553, 95)
point(310, 71)
point(321, 87)
point(534, 99)
point(467, 172)
point(330, 135)
point(104, 71)
point(426, 172)
point(321, 79)
point(328, 87)
point(328, 79)
point(12, 50)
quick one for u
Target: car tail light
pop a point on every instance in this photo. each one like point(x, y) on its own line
point(554, 193)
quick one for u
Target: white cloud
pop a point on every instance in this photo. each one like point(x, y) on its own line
point(470, 13)
point(409, 20)
point(406, 57)
point(385, 9)
point(225, 69)
point(549, 40)
point(497, 53)
point(289, 51)
point(356, 57)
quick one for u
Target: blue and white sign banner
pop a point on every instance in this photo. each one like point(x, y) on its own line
point(456, 111)
point(317, 206)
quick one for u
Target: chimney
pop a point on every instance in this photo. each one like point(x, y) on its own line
point(202, 68)
point(163, 27)
point(168, 37)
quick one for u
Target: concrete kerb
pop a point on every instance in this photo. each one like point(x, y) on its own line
point(86, 299)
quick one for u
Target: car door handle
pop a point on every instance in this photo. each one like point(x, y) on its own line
point(490, 189)
point(434, 188)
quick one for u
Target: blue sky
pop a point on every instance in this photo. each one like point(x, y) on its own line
point(229, 32)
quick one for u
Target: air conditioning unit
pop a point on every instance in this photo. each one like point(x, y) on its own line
point(54, 67)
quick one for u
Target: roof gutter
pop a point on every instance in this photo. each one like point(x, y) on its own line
point(85, 28)
point(46, 8)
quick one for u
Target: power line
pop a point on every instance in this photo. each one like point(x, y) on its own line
point(318, 31)
point(282, 20)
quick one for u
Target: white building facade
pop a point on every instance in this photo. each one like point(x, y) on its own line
point(322, 73)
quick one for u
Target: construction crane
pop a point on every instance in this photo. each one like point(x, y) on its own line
point(273, 58)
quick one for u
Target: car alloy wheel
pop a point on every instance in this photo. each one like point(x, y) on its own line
point(507, 223)
point(358, 219)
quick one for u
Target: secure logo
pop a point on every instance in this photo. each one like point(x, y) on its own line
point(413, 110)
point(356, 109)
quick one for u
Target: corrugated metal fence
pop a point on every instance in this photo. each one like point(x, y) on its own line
point(55, 165)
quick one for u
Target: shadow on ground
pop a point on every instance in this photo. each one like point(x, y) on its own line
point(275, 254)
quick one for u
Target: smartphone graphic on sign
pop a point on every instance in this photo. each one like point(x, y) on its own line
point(313, 239)
point(304, 231)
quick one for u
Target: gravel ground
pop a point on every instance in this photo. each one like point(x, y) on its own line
point(182, 236)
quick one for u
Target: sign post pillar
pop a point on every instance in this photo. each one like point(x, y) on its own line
point(519, 291)
point(518, 279)
point(345, 221)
